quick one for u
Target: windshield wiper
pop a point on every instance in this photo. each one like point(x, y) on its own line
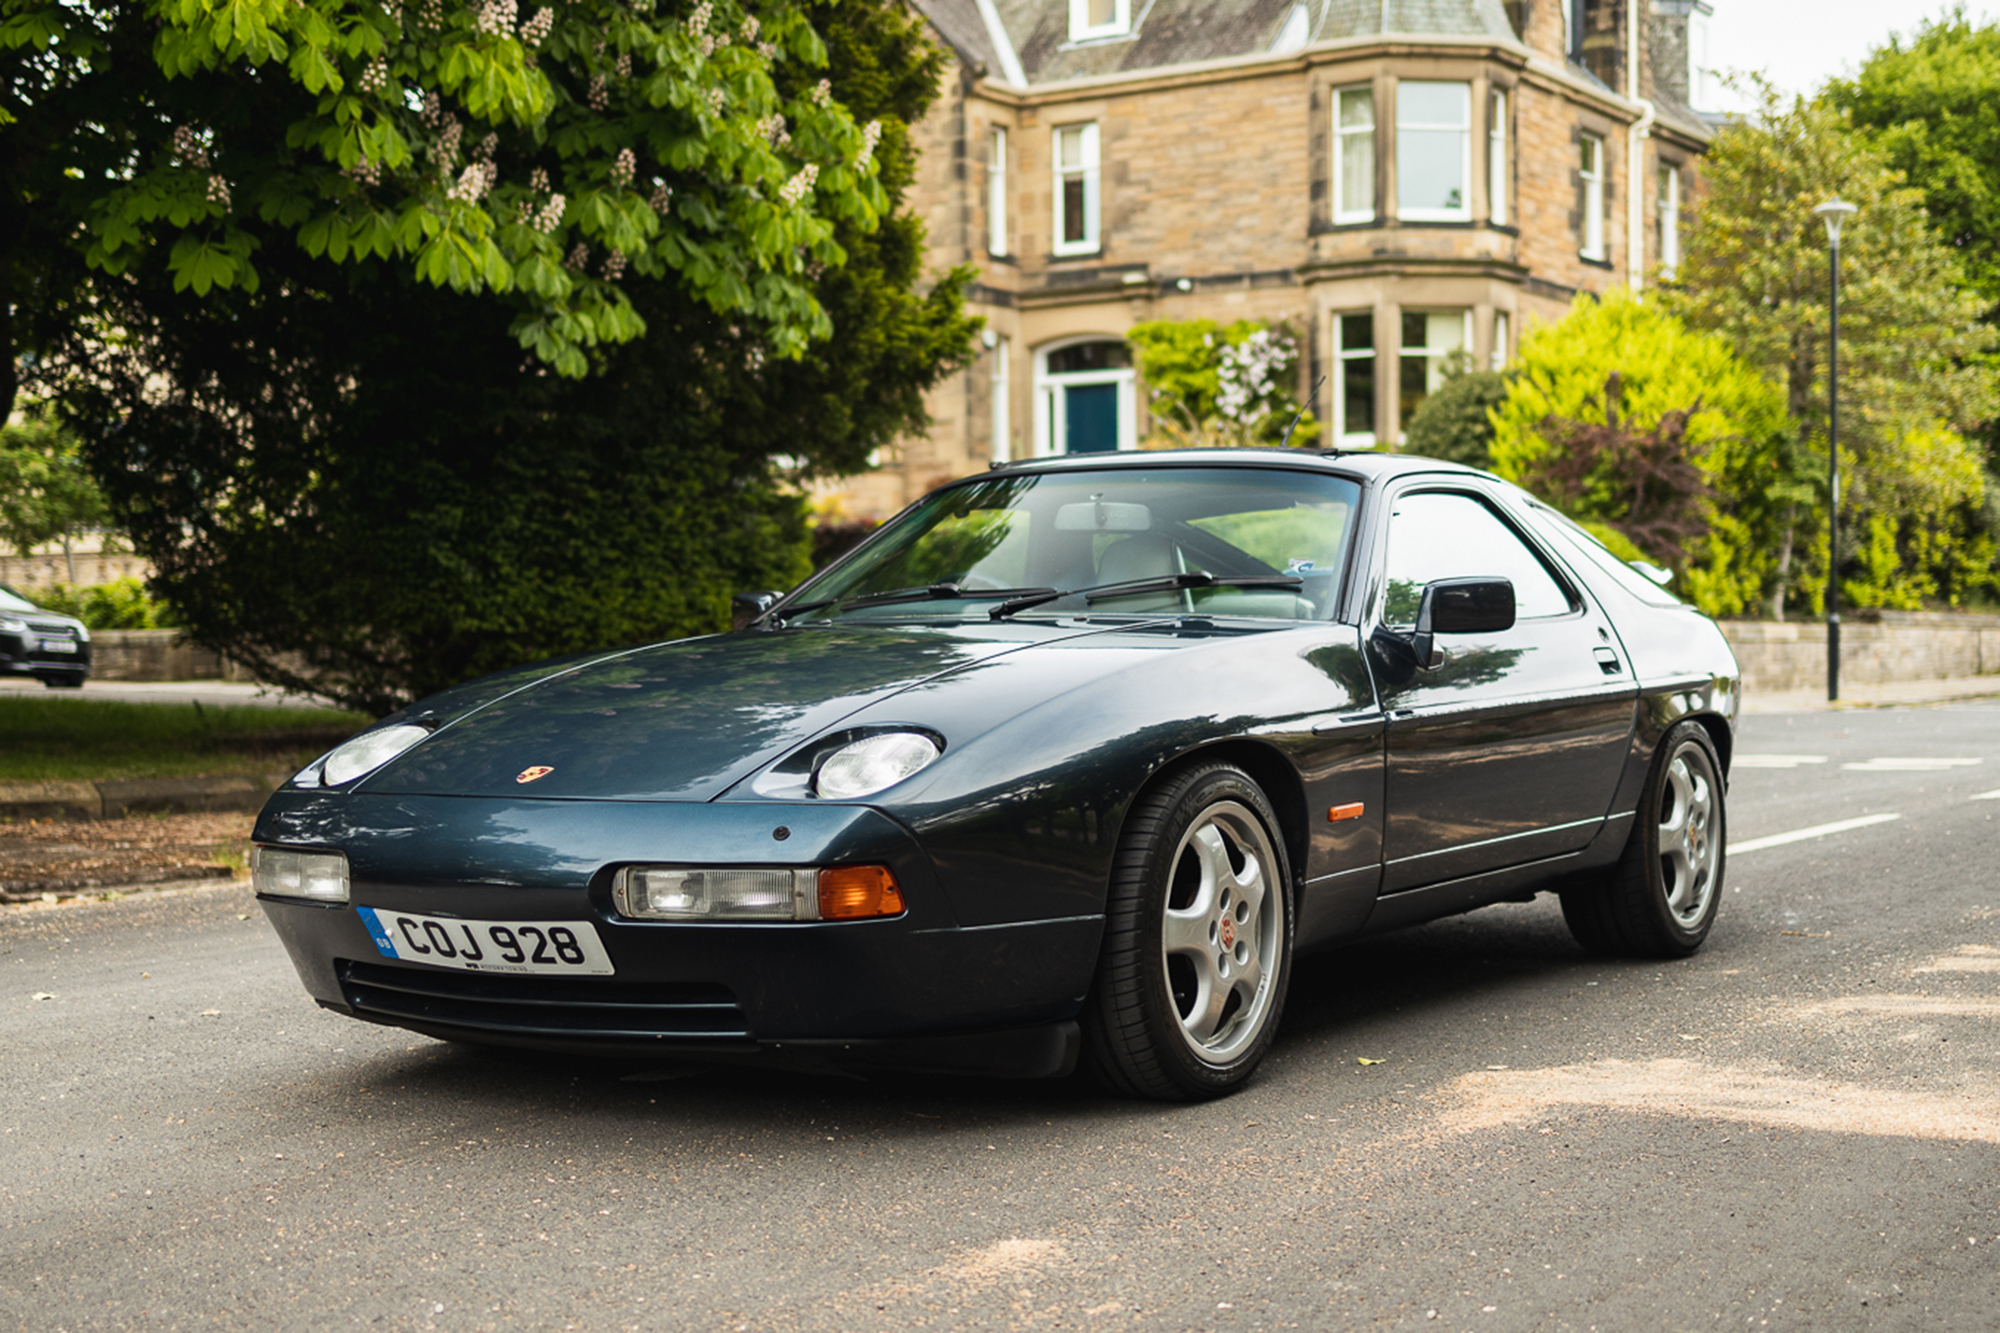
point(935, 592)
point(1132, 587)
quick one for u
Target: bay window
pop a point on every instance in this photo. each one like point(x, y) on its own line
point(1354, 155)
point(1354, 381)
point(1433, 151)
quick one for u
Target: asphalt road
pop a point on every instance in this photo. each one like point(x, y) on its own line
point(1471, 1125)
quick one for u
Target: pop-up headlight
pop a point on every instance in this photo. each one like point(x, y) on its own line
point(866, 766)
point(368, 752)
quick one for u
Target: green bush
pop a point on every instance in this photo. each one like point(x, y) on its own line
point(119, 604)
point(1455, 422)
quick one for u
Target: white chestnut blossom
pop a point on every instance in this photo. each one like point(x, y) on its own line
point(495, 18)
point(623, 167)
point(473, 183)
point(795, 189)
point(871, 134)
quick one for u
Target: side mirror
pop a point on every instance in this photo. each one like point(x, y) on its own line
point(747, 608)
point(1461, 606)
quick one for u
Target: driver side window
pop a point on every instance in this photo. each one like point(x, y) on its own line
point(1441, 535)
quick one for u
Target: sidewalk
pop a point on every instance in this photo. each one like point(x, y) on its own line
point(206, 692)
point(1893, 694)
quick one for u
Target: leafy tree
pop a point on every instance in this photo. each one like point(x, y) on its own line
point(1456, 422)
point(1656, 489)
point(1931, 107)
point(1677, 397)
point(1213, 385)
point(550, 158)
point(45, 493)
point(1913, 355)
point(119, 604)
point(357, 482)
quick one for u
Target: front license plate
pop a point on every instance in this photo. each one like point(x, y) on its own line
point(548, 948)
point(58, 645)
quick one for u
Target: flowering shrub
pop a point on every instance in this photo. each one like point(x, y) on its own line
point(1214, 386)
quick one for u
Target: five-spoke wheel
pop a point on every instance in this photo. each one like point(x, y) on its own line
point(1660, 899)
point(1198, 939)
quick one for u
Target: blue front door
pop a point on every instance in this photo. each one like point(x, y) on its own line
point(1091, 414)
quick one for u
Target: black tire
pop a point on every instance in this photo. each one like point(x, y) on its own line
point(63, 682)
point(1149, 1030)
point(1660, 900)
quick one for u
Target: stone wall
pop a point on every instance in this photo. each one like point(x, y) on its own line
point(1777, 658)
point(45, 568)
point(155, 654)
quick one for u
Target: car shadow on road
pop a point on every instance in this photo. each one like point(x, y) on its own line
point(1429, 974)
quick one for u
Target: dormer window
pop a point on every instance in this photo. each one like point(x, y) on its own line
point(1091, 19)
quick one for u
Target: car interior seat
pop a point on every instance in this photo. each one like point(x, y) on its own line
point(1142, 555)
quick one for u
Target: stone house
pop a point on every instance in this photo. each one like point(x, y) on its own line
point(1398, 180)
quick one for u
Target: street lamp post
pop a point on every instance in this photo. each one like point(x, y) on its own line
point(1833, 212)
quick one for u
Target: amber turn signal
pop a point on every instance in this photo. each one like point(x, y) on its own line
point(1341, 812)
point(847, 893)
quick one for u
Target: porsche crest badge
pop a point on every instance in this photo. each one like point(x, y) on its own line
point(531, 774)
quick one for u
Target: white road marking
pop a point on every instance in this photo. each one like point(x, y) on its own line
point(1908, 765)
point(1987, 796)
point(1775, 760)
point(1806, 834)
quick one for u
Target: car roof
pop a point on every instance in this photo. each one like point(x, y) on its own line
point(1365, 465)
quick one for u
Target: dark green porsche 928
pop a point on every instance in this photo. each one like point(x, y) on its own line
point(1070, 762)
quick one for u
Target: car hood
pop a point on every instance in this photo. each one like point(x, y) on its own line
point(684, 721)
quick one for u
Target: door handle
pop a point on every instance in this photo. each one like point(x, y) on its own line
point(1607, 661)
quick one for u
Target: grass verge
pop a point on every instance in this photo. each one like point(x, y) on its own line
point(50, 740)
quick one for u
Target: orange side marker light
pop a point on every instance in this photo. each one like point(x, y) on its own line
point(847, 893)
point(1344, 812)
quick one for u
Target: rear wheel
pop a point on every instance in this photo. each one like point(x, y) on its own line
point(1198, 941)
point(1660, 900)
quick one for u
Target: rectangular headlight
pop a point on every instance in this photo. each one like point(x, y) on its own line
point(696, 893)
point(279, 872)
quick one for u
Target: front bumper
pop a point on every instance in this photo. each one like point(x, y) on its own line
point(914, 991)
point(21, 653)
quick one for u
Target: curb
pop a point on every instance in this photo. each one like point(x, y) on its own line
point(118, 797)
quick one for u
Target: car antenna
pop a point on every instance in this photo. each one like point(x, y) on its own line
point(1314, 393)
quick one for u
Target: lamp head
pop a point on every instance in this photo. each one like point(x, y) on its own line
point(1834, 212)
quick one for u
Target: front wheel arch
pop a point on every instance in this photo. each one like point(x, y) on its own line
point(1268, 768)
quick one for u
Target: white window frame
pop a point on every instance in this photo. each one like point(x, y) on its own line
point(1003, 425)
point(1496, 156)
point(1089, 174)
point(996, 190)
point(1079, 21)
point(1670, 219)
point(1051, 405)
point(1463, 213)
point(1503, 333)
point(1342, 437)
point(1346, 210)
point(1428, 352)
point(1591, 171)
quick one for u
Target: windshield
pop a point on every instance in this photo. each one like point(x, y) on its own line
point(13, 601)
point(964, 552)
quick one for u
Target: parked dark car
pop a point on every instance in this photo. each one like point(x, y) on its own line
point(54, 649)
point(1069, 761)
